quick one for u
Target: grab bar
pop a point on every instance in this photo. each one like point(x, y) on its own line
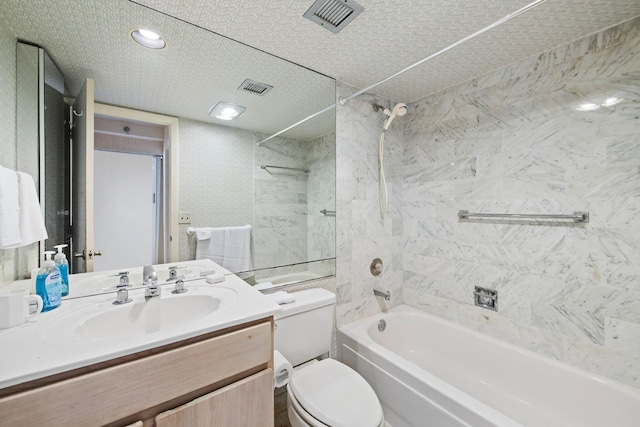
point(284, 167)
point(326, 212)
point(577, 216)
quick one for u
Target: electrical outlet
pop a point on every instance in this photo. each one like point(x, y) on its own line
point(184, 218)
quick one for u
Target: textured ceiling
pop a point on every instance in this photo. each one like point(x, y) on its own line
point(391, 35)
point(198, 68)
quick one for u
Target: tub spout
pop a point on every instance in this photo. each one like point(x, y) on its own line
point(381, 293)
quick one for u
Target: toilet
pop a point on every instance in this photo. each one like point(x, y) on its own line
point(323, 392)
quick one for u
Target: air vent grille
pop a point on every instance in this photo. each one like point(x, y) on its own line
point(333, 15)
point(255, 87)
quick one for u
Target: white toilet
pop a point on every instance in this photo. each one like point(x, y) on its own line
point(325, 392)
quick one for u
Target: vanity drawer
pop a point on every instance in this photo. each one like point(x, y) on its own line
point(118, 392)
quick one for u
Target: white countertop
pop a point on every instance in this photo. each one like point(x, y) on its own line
point(33, 350)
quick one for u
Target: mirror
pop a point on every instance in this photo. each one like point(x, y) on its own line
point(284, 188)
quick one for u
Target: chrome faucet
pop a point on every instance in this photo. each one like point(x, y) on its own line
point(150, 282)
point(381, 293)
point(124, 280)
point(173, 274)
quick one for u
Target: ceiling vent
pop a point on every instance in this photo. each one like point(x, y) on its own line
point(255, 87)
point(333, 15)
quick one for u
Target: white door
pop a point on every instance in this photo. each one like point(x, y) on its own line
point(82, 172)
point(124, 210)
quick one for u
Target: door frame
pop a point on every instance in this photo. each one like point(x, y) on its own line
point(171, 165)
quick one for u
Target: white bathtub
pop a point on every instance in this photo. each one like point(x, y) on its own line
point(287, 279)
point(431, 372)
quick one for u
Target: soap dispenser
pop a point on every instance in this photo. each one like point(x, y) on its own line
point(48, 284)
point(63, 266)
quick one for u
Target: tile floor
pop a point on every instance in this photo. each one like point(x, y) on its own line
point(280, 412)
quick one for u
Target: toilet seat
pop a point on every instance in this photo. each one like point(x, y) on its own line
point(335, 395)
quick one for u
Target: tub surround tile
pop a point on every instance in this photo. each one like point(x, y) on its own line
point(512, 141)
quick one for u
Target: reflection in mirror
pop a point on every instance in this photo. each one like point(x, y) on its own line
point(220, 181)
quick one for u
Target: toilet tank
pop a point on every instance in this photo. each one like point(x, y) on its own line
point(303, 328)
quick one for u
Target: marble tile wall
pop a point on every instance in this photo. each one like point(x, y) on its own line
point(8, 270)
point(321, 194)
point(362, 233)
point(514, 141)
point(280, 231)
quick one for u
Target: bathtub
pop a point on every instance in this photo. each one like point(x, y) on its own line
point(287, 279)
point(431, 372)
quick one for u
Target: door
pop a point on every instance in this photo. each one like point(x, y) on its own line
point(124, 209)
point(82, 180)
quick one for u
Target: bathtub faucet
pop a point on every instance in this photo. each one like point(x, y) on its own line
point(381, 293)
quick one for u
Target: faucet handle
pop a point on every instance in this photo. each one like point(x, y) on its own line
point(180, 287)
point(124, 279)
point(122, 297)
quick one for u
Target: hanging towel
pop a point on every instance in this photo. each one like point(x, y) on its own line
point(210, 244)
point(9, 209)
point(32, 227)
point(237, 250)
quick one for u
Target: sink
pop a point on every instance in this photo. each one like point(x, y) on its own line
point(105, 321)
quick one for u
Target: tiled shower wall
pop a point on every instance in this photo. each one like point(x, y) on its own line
point(280, 233)
point(362, 232)
point(512, 141)
point(8, 271)
point(321, 190)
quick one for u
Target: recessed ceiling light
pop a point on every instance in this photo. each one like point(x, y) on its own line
point(148, 38)
point(226, 111)
point(611, 101)
point(587, 106)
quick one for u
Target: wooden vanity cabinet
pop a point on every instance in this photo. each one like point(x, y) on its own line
point(220, 379)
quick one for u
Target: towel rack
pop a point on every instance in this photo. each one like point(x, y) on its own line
point(577, 216)
point(191, 231)
point(326, 212)
point(284, 167)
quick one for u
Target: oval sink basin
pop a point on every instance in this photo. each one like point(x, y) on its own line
point(146, 317)
point(142, 316)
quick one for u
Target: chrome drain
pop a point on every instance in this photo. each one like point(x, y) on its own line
point(382, 325)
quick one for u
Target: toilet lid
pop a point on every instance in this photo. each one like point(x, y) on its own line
point(336, 395)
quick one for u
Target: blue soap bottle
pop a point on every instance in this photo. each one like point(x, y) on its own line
point(63, 265)
point(48, 283)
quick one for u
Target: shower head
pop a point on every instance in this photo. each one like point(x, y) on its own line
point(399, 109)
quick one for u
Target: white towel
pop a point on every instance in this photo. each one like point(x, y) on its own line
point(32, 227)
point(9, 209)
point(210, 244)
point(237, 250)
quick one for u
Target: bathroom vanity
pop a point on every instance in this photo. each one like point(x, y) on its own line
point(70, 368)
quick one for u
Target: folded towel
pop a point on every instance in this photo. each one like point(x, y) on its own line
point(9, 209)
point(214, 278)
point(32, 227)
point(210, 244)
point(237, 250)
point(263, 285)
point(281, 297)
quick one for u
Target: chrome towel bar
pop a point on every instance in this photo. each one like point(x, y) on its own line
point(283, 167)
point(576, 216)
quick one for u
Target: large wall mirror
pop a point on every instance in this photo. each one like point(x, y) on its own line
point(145, 115)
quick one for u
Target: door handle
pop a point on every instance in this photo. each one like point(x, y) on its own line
point(87, 254)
